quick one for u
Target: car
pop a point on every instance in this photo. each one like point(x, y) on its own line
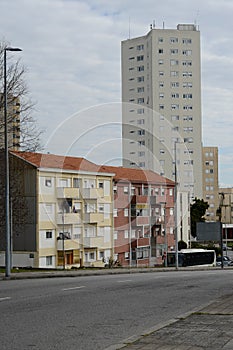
point(226, 261)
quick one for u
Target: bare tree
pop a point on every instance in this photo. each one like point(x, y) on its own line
point(22, 126)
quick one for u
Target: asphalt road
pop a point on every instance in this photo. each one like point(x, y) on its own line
point(94, 312)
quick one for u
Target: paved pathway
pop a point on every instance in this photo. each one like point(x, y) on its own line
point(210, 328)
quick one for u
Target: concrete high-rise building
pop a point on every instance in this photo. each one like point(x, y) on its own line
point(13, 117)
point(161, 105)
point(210, 181)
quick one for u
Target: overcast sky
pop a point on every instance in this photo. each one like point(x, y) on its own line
point(71, 49)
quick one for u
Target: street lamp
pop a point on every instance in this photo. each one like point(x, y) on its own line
point(7, 179)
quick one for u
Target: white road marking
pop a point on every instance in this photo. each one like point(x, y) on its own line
point(124, 281)
point(6, 298)
point(72, 288)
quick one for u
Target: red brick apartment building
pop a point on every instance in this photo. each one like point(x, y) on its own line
point(143, 216)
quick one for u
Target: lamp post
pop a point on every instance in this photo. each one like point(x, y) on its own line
point(175, 207)
point(165, 233)
point(7, 179)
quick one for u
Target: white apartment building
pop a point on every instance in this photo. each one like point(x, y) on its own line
point(161, 99)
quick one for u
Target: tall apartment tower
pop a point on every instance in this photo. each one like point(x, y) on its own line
point(161, 105)
point(13, 117)
point(210, 181)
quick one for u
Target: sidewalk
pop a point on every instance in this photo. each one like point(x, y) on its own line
point(207, 329)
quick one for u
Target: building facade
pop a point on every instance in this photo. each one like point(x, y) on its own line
point(66, 212)
point(61, 212)
point(161, 104)
point(225, 212)
point(144, 221)
point(210, 181)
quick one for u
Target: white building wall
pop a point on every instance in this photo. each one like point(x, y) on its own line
point(161, 80)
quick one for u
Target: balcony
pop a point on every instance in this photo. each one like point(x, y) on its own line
point(68, 192)
point(69, 244)
point(69, 218)
point(93, 217)
point(93, 242)
point(92, 193)
point(142, 220)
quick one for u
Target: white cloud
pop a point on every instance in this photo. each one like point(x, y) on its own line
point(72, 51)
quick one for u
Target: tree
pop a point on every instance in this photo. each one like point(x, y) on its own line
point(197, 212)
point(20, 106)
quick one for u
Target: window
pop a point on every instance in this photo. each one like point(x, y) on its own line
point(174, 74)
point(188, 96)
point(174, 62)
point(48, 182)
point(141, 132)
point(174, 51)
point(142, 164)
point(161, 95)
point(175, 117)
point(160, 40)
point(140, 58)
point(187, 63)
point(187, 41)
point(170, 192)
point(171, 211)
point(140, 89)
point(187, 52)
point(140, 68)
point(187, 107)
point(187, 74)
point(126, 212)
point(160, 62)
point(188, 129)
point(115, 235)
point(115, 213)
point(174, 84)
point(49, 260)
point(187, 85)
point(160, 51)
point(76, 183)
point(140, 100)
point(174, 106)
point(126, 189)
point(141, 143)
point(161, 107)
point(140, 79)
point(126, 255)
point(101, 185)
point(173, 40)
point(175, 95)
point(140, 47)
point(161, 74)
point(49, 234)
point(140, 111)
point(188, 118)
point(161, 84)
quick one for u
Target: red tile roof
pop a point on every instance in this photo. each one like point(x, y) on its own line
point(136, 175)
point(40, 160)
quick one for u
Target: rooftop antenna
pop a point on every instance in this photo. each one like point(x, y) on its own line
point(163, 24)
point(129, 28)
point(195, 20)
point(153, 23)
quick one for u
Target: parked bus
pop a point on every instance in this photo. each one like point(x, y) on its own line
point(192, 257)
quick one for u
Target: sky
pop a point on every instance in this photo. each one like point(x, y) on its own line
point(72, 52)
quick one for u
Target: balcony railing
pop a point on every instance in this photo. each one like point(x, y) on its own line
point(68, 192)
point(68, 218)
